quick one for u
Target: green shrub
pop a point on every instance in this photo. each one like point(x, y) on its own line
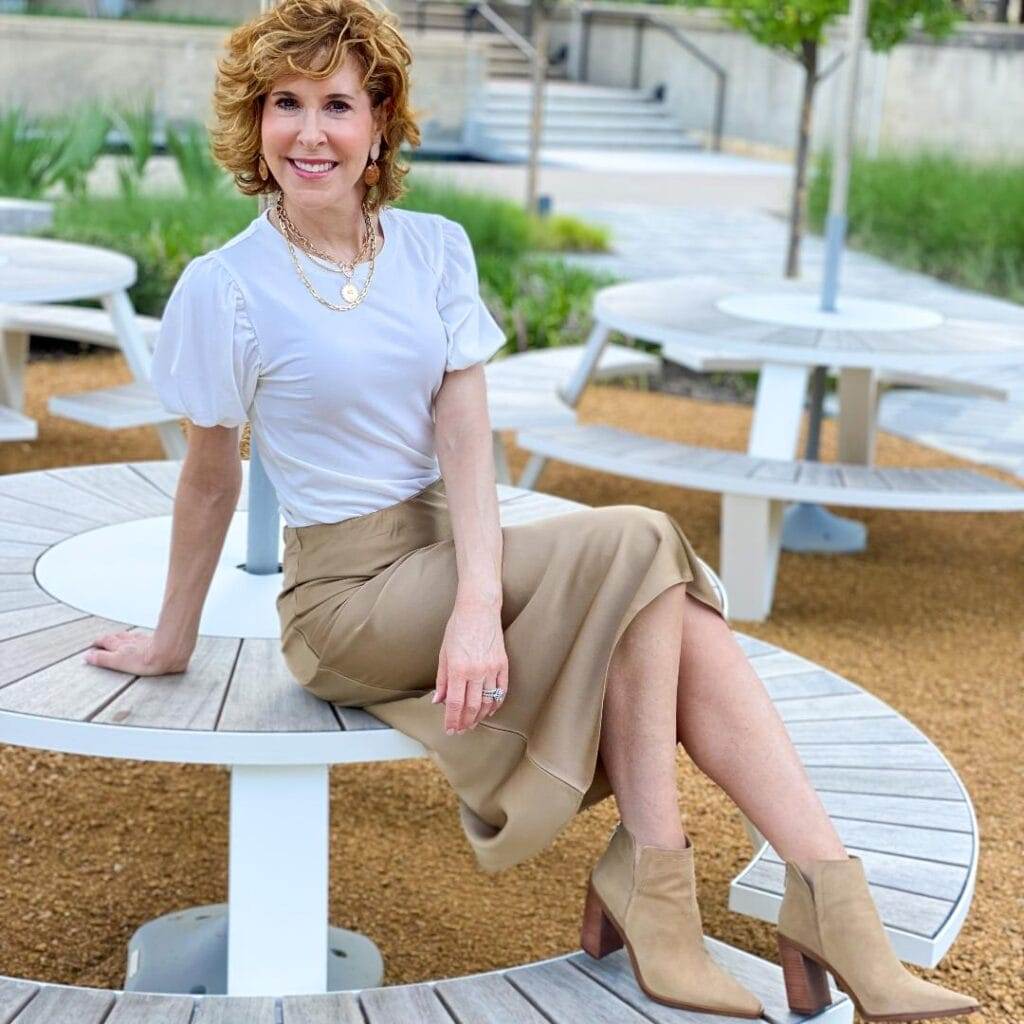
point(539, 300)
point(934, 212)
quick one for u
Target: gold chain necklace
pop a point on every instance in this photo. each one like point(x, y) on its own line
point(352, 295)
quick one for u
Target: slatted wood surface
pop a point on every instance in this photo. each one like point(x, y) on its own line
point(74, 323)
point(894, 798)
point(625, 453)
point(573, 989)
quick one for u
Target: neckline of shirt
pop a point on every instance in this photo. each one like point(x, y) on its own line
point(387, 224)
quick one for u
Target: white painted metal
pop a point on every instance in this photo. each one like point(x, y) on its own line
point(858, 398)
point(778, 410)
point(751, 532)
point(277, 893)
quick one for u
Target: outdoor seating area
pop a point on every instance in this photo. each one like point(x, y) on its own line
point(809, 354)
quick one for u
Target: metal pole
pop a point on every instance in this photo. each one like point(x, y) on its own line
point(835, 229)
point(262, 539)
point(540, 60)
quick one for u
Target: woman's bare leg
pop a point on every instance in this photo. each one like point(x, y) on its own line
point(638, 727)
point(731, 730)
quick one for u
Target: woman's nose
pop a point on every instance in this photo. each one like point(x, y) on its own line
point(311, 132)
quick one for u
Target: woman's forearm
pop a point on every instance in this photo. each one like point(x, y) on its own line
point(199, 526)
point(466, 458)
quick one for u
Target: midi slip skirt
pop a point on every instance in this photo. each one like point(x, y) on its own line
point(363, 609)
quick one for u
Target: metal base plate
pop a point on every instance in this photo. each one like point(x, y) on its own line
point(812, 529)
point(186, 952)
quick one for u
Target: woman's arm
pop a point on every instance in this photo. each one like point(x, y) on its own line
point(204, 503)
point(472, 654)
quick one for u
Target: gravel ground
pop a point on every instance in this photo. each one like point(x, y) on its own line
point(928, 619)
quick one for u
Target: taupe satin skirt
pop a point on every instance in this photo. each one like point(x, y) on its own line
point(363, 610)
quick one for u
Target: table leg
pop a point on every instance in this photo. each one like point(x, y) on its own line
point(778, 411)
point(858, 415)
point(570, 394)
point(140, 361)
point(13, 357)
point(277, 870)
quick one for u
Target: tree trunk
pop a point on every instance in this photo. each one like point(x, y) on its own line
point(803, 144)
point(540, 72)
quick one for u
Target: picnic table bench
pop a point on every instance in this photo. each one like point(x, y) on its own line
point(895, 800)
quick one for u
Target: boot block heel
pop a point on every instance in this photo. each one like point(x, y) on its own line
point(806, 981)
point(598, 936)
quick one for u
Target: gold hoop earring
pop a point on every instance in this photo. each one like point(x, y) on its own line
point(261, 166)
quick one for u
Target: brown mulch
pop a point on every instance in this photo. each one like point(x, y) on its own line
point(928, 619)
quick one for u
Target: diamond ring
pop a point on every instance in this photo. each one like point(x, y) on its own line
point(497, 694)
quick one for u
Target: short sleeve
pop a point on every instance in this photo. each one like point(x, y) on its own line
point(206, 361)
point(472, 333)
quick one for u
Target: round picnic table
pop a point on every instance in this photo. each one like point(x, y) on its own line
point(84, 551)
point(43, 270)
point(782, 329)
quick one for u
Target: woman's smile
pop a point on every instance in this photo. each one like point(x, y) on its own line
point(311, 169)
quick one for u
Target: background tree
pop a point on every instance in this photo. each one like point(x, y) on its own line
point(797, 29)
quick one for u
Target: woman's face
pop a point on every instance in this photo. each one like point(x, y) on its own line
point(318, 122)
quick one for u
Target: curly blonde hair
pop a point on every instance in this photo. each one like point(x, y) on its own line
point(312, 38)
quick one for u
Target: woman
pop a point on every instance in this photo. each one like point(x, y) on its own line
point(544, 665)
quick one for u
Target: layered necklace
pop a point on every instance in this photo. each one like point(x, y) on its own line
point(349, 292)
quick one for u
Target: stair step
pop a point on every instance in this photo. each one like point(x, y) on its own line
point(129, 405)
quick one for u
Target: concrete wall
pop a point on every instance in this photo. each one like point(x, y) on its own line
point(963, 93)
point(47, 65)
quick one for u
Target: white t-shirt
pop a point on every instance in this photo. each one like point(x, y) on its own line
point(341, 403)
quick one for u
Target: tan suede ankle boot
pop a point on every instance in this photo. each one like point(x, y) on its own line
point(833, 923)
point(646, 897)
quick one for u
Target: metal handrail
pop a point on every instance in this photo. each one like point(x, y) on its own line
point(643, 20)
point(489, 14)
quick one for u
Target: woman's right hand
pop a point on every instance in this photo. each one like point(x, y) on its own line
point(135, 653)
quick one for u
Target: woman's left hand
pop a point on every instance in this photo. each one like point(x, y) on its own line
point(472, 659)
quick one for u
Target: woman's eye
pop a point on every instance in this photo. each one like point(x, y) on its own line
point(334, 103)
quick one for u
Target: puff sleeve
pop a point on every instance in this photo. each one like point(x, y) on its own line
point(472, 333)
point(206, 360)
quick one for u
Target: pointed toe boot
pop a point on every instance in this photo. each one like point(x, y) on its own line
point(645, 897)
point(830, 922)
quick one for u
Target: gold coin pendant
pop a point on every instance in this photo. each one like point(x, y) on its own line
point(350, 292)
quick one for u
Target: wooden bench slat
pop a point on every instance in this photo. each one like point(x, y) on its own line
point(164, 475)
point(487, 999)
point(907, 840)
point(21, 549)
point(403, 1003)
point(31, 621)
point(16, 564)
point(68, 689)
point(14, 994)
point(818, 683)
point(263, 695)
point(13, 582)
point(865, 730)
point(53, 494)
point(780, 663)
point(870, 755)
point(910, 912)
point(235, 1010)
point(914, 782)
point(15, 600)
point(149, 1008)
point(328, 1008)
point(61, 523)
point(130, 489)
point(836, 707)
point(626, 453)
point(357, 720)
point(751, 646)
point(188, 700)
point(941, 881)
point(561, 989)
point(53, 1003)
point(31, 652)
point(906, 810)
